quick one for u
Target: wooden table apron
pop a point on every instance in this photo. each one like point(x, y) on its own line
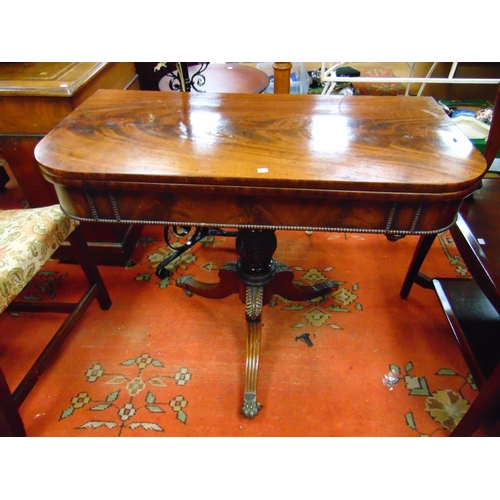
point(392, 165)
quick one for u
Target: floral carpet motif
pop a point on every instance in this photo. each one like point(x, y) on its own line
point(123, 407)
point(446, 407)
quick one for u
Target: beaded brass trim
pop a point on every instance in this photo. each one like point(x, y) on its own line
point(263, 227)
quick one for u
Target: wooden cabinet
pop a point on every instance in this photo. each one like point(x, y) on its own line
point(455, 91)
point(34, 98)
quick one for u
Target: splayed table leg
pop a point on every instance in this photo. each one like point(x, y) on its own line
point(253, 309)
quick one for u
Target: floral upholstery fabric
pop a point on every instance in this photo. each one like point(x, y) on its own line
point(28, 238)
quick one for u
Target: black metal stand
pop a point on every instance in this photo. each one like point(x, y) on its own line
point(200, 232)
point(182, 82)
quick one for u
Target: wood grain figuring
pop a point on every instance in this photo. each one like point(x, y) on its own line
point(360, 162)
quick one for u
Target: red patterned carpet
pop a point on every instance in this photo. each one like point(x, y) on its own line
point(161, 363)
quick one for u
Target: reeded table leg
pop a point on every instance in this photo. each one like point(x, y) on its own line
point(256, 277)
point(253, 310)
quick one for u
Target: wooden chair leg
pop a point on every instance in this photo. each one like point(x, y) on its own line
point(11, 424)
point(52, 348)
point(4, 177)
point(483, 409)
point(80, 247)
point(75, 311)
point(413, 275)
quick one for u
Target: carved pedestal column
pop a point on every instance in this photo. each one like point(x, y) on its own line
point(256, 277)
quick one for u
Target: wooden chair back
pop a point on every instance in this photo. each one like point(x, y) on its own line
point(493, 141)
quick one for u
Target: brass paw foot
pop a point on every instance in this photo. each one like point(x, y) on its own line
point(250, 406)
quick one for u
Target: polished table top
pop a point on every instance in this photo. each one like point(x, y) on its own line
point(383, 164)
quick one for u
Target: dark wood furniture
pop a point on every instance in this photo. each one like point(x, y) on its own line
point(11, 424)
point(34, 98)
point(472, 306)
point(259, 163)
point(4, 176)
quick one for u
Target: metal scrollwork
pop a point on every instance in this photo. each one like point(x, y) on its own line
point(181, 81)
point(183, 231)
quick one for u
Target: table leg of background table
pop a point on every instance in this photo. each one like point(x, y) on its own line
point(413, 275)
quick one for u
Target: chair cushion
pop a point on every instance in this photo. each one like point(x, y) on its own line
point(28, 238)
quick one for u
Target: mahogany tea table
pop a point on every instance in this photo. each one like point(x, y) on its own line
point(257, 163)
